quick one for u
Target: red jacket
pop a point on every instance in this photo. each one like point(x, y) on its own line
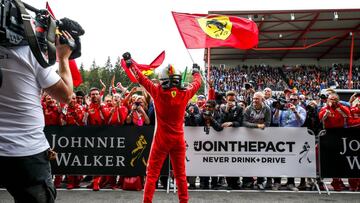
point(97, 114)
point(354, 121)
point(74, 115)
point(118, 115)
point(335, 119)
point(52, 115)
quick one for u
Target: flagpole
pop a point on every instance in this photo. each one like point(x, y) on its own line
point(208, 70)
point(202, 77)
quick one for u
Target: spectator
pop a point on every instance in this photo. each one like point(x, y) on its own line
point(210, 118)
point(231, 116)
point(293, 116)
point(257, 115)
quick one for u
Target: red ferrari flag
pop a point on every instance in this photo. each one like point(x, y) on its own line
point(206, 31)
point(142, 67)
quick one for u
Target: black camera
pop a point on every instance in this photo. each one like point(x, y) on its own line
point(279, 103)
point(16, 29)
point(323, 96)
point(248, 86)
point(137, 103)
point(207, 113)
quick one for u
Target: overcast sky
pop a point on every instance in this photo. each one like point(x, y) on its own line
point(146, 27)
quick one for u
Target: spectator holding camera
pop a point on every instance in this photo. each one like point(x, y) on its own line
point(293, 115)
point(210, 118)
point(137, 115)
point(24, 150)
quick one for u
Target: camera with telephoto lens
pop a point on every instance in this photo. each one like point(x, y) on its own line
point(280, 103)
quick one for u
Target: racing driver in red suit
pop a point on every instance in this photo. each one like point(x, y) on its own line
point(170, 100)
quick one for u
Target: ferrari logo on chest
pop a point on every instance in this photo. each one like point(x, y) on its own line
point(173, 94)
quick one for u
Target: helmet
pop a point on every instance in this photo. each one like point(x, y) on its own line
point(170, 77)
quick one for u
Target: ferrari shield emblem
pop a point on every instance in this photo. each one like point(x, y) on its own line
point(218, 27)
point(173, 94)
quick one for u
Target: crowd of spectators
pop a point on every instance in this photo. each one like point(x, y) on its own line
point(308, 80)
point(244, 97)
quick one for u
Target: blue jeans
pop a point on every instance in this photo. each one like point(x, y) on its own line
point(28, 179)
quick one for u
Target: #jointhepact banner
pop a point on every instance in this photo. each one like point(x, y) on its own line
point(273, 152)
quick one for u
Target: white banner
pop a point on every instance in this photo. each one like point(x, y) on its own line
point(273, 152)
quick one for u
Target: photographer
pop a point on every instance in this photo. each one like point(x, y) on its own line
point(137, 115)
point(293, 115)
point(24, 150)
point(210, 118)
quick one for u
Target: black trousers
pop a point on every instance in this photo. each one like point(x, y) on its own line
point(28, 179)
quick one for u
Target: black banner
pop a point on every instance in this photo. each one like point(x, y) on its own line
point(340, 153)
point(101, 150)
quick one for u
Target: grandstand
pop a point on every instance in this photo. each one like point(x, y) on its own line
point(297, 39)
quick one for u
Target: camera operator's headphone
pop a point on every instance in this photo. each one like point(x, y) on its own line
point(32, 39)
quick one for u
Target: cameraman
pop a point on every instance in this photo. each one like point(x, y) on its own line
point(293, 115)
point(24, 150)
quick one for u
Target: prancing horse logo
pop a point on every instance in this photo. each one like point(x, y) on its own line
point(218, 27)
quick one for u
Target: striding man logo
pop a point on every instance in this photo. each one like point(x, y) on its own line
point(173, 94)
point(218, 27)
point(137, 153)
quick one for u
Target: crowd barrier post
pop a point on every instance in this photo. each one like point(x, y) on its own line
point(318, 172)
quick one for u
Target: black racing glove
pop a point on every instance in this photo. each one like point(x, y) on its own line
point(195, 69)
point(127, 58)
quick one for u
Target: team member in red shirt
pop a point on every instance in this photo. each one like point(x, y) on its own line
point(52, 116)
point(51, 111)
point(97, 115)
point(73, 116)
point(170, 100)
point(335, 115)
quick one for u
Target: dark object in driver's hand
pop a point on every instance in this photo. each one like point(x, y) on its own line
point(127, 58)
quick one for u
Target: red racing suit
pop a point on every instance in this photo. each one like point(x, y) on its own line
point(170, 105)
